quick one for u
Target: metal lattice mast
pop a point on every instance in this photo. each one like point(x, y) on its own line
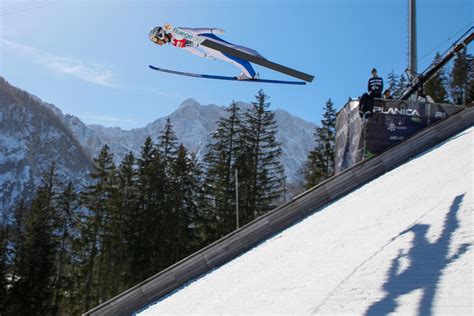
point(412, 53)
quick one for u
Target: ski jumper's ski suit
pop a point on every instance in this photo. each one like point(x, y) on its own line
point(210, 53)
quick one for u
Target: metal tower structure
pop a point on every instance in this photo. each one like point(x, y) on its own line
point(412, 43)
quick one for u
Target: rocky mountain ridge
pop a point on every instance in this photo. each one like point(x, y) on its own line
point(33, 134)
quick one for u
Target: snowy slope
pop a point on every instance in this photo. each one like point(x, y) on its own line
point(402, 243)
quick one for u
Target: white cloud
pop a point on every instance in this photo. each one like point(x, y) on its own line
point(160, 93)
point(89, 72)
point(93, 73)
point(96, 118)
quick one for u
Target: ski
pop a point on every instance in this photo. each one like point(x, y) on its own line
point(190, 74)
point(257, 60)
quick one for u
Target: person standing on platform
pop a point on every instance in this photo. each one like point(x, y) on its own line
point(375, 85)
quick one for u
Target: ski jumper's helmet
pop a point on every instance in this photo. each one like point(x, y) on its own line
point(156, 34)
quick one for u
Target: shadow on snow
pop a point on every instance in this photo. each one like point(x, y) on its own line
point(427, 262)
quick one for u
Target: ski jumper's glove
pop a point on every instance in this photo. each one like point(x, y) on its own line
point(189, 44)
point(182, 43)
point(167, 27)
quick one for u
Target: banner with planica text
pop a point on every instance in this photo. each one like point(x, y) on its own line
point(392, 122)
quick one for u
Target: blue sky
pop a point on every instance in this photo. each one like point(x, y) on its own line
point(90, 58)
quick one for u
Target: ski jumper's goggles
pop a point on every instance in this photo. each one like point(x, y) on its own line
point(157, 34)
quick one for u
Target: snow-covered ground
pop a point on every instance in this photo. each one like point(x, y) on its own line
point(402, 243)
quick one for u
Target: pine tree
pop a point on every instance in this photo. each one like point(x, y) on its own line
point(168, 144)
point(146, 225)
point(401, 86)
point(220, 163)
point(167, 148)
point(4, 264)
point(14, 235)
point(18, 236)
point(328, 137)
point(128, 206)
point(32, 290)
point(97, 199)
point(123, 205)
point(320, 163)
point(470, 94)
point(392, 82)
point(141, 243)
point(67, 232)
point(259, 169)
point(313, 170)
point(435, 87)
point(470, 84)
point(459, 78)
point(186, 188)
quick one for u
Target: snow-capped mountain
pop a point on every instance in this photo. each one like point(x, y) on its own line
point(31, 137)
point(34, 133)
point(193, 124)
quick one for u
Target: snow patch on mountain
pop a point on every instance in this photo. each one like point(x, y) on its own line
point(32, 137)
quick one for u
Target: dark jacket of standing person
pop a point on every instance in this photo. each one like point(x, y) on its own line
point(375, 85)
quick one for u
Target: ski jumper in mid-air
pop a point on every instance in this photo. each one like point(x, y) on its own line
point(160, 36)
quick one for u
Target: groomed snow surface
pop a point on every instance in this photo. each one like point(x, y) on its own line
point(402, 243)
